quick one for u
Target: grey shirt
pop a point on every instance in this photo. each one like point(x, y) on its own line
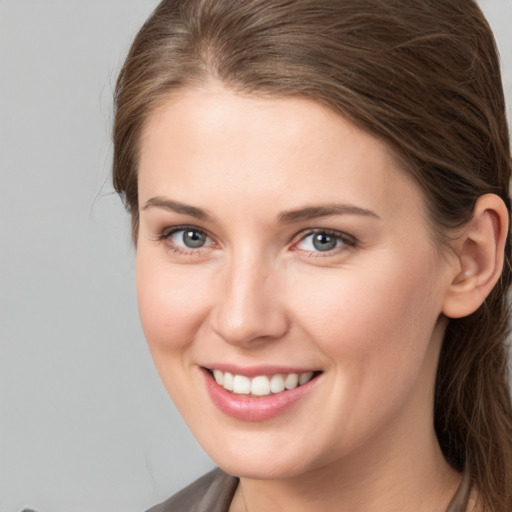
point(212, 492)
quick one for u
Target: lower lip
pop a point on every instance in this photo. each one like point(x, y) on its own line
point(249, 408)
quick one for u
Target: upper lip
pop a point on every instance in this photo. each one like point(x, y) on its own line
point(254, 371)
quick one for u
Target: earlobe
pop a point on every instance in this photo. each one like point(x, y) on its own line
point(480, 257)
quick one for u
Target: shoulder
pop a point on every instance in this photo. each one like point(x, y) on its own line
point(212, 492)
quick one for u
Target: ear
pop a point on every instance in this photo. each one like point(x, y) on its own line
point(480, 257)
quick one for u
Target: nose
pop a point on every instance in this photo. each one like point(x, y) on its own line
point(249, 308)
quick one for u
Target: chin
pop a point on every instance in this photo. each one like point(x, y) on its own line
point(260, 469)
point(260, 461)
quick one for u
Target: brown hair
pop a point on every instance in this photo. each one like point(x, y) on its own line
point(424, 77)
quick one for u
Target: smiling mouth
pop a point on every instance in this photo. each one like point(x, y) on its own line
point(261, 385)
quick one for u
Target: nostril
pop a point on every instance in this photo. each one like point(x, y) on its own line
point(241, 326)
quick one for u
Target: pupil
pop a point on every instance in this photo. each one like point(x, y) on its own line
point(194, 239)
point(323, 242)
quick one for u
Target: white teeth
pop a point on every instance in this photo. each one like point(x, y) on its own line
point(241, 385)
point(227, 381)
point(261, 385)
point(277, 384)
point(219, 377)
point(291, 381)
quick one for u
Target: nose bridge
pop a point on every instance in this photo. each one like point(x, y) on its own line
point(249, 306)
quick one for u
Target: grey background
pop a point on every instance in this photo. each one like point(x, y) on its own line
point(85, 425)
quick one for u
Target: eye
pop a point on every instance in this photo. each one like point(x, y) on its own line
point(188, 238)
point(324, 241)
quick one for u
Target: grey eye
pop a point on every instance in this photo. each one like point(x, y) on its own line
point(324, 242)
point(194, 239)
point(189, 238)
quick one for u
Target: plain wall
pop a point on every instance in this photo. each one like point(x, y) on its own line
point(85, 425)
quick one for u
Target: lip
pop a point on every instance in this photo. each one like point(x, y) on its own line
point(248, 408)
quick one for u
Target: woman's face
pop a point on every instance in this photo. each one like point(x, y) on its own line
point(278, 242)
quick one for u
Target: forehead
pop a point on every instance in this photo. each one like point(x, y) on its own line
point(292, 150)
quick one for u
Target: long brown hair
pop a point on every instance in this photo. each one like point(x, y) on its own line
point(422, 75)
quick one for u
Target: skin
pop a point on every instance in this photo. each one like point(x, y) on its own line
point(368, 314)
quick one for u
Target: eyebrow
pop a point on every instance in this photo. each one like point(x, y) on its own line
point(287, 217)
point(312, 212)
point(177, 207)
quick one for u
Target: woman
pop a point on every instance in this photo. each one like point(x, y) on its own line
point(319, 199)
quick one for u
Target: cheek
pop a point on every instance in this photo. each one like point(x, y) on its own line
point(375, 331)
point(171, 303)
point(375, 323)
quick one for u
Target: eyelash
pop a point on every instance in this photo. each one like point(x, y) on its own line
point(344, 241)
